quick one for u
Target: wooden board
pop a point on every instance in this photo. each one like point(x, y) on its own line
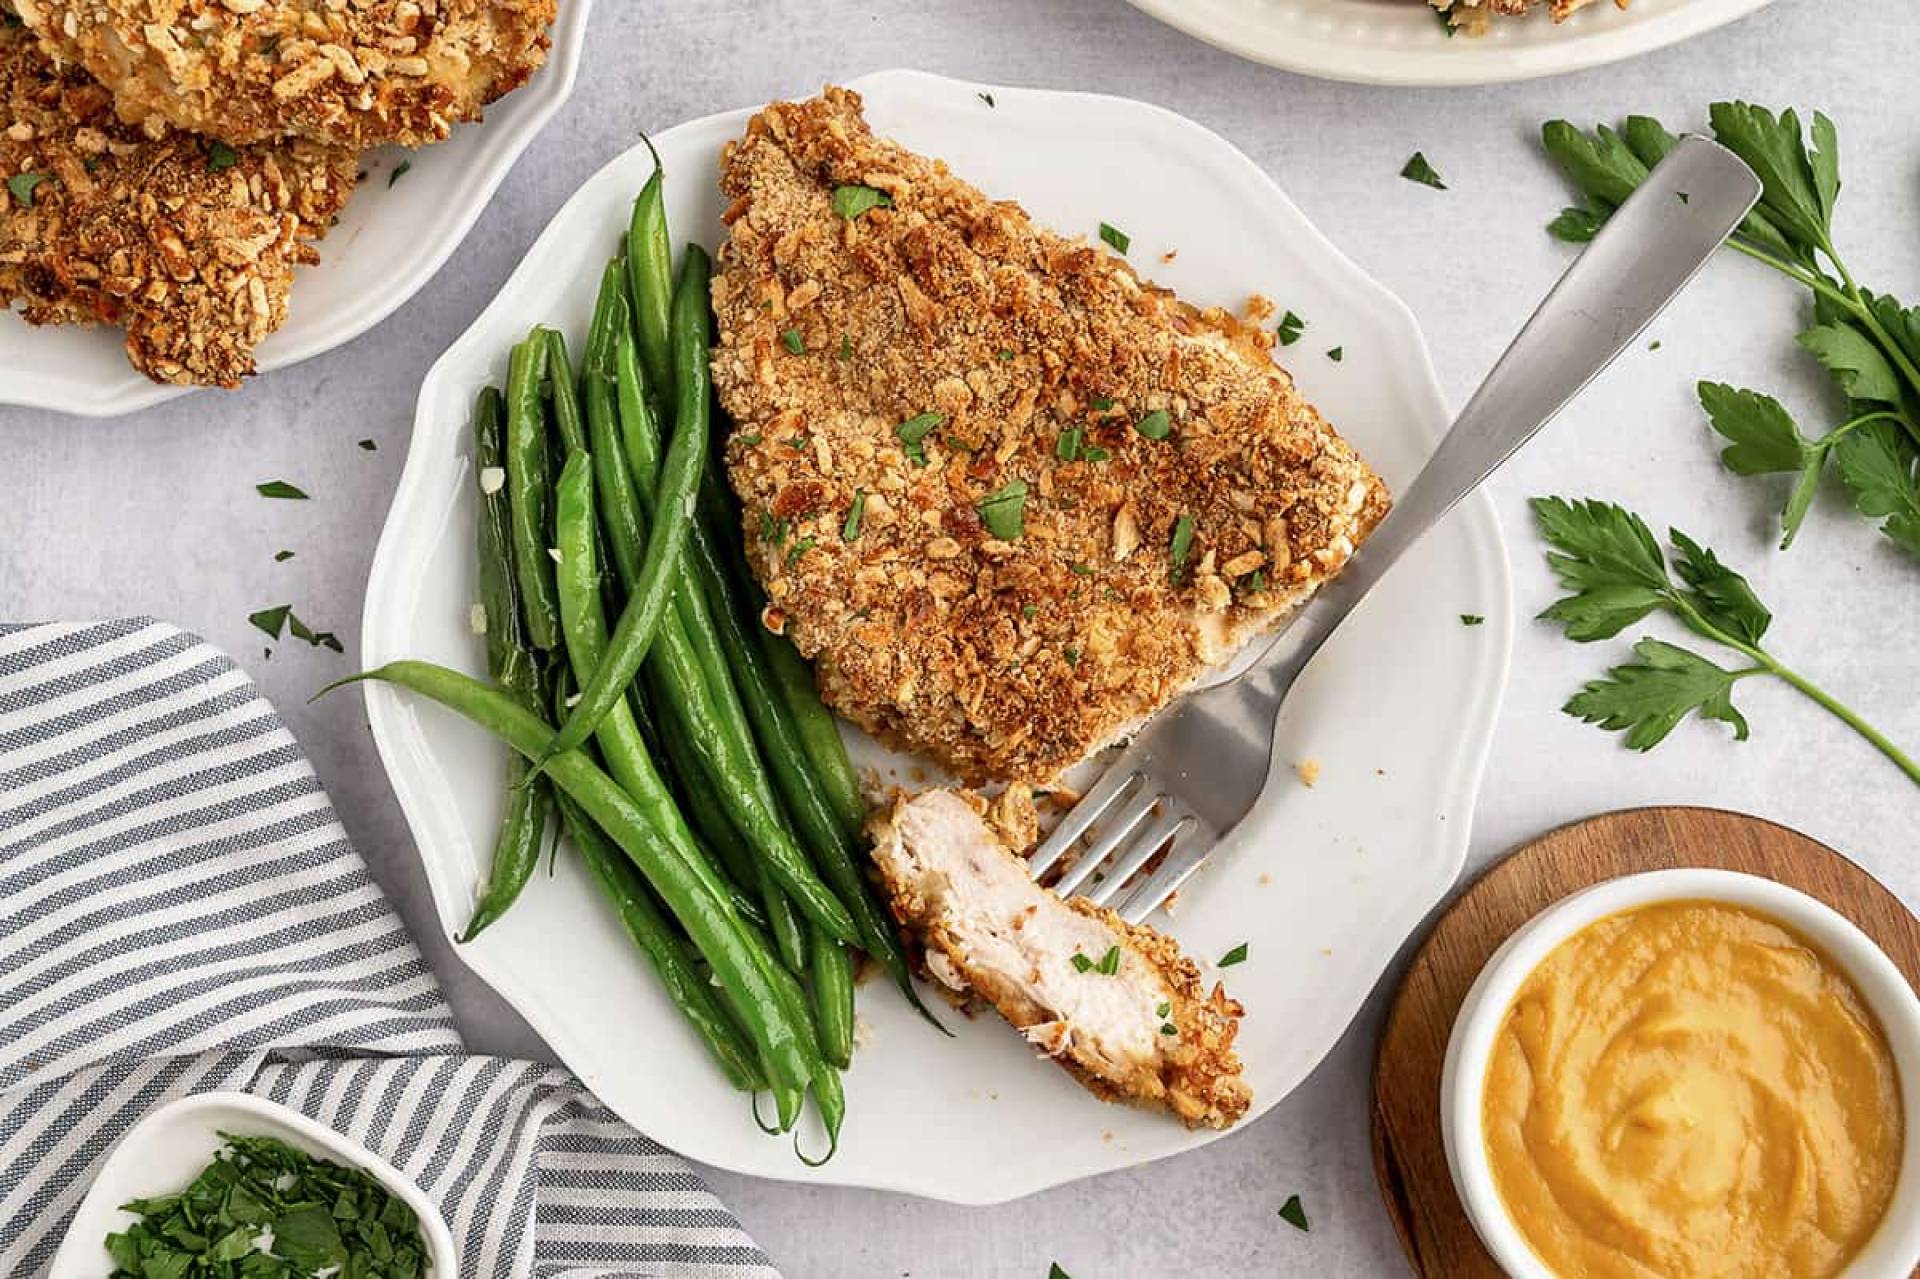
point(1408, 1156)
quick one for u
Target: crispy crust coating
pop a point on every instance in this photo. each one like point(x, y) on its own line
point(1194, 1074)
point(1001, 658)
point(354, 75)
point(1472, 16)
point(194, 260)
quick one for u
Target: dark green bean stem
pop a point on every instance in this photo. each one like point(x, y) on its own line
point(516, 846)
point(584, 626)
point(527, 491)
point(689, 989)
point(650, 268)
point(673, 507)
point(833, 1001)
point(786, 1048)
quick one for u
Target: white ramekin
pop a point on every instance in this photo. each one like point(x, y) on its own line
point(1894, 1249)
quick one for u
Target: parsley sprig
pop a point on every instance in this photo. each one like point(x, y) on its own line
point(1610, 561)
point(1868, 342)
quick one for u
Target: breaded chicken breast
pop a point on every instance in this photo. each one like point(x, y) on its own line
point(1472, 16)
point(352, 74)
point(1117, 1004)
point(1010, 498)
point(187, 244)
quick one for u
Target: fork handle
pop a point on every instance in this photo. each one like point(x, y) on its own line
point(1644, 255)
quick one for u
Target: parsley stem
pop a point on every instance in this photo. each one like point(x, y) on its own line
point(1839, 432)
point(1844, 715)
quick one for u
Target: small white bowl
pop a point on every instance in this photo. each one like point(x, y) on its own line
point(166, 1151)
point(1894, 1249)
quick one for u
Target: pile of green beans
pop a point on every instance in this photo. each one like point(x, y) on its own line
point(694, 769)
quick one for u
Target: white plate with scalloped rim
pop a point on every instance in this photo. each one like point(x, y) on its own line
point(1398, 712)
point(1403, 42)
point(392, 237)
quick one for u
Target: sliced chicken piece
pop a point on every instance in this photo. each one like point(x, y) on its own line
point(1117, 1004)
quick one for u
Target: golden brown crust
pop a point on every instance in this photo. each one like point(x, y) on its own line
point(1195, 1073)
point(1001, 658)
point(347, 74)
point(161, 235)
point(1471, 15)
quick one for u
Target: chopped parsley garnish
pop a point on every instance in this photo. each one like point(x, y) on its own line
point(913, 431)
point(798, 549)
point(846, 347)
point(400, 170)
point(1446, 21)
point(1256, 581)
point(1168, 1028)
point(1293, 1214)
point(1115, 237)
point(279, 488)
point(21, 186)
point(1101, 403)
point(1337, 354)
point(1471, 619)
point(771, 529)
point(1003, 354)
point(1180, 547)
point(1110, 962)
point(1055, 1272)
point(1238, 955)
point(272, 620)
point(281, 557)
point(1654, 345)
point(853, 200)
point(1003, 511)
point(221, 156)
point(792, 340)
point(369, 445)
point(1291, 326)
point(1067, 447)
point(750, 439)
point(1028, 610)
point(1165, 1007)
point(1094, 453)
point(1073, 659)
point(1080, 569)
point(1418, 170)
point(1155, 425)
point(1081, 963)
point(985, 97)
point(851, 529)
point(263, 1210)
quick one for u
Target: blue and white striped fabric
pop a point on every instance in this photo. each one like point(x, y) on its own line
point(180, 911)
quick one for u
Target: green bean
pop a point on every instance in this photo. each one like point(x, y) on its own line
point(833, 1001)
point(690, 991)
point(566, 398)
point(584, 626)
point(786, 1047)
point(516, 846)
point(818, 731)
point(527, 498)
point(673, 505)
point(613, 486)
point(829, 1093)
point(724, 749)
point(650, 267)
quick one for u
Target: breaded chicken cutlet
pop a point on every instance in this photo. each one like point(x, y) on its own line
point(1472, 16)
point(189, 245)
point(346, 74)
point(1010, 498)
point(1115, 1003)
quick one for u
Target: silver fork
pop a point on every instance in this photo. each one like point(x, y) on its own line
point(1193, 773)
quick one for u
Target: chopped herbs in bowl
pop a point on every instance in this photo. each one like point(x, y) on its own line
point(264, 1210)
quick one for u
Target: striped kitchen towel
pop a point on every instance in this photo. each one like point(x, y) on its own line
point(180, 911)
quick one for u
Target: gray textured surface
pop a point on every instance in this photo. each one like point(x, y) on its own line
point(156, 513)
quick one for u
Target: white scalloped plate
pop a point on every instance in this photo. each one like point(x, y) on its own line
point(390, 241)
point(1403, 42)
point(1398, 713)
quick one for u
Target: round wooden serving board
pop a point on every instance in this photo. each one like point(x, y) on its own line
point(1407, 1153)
